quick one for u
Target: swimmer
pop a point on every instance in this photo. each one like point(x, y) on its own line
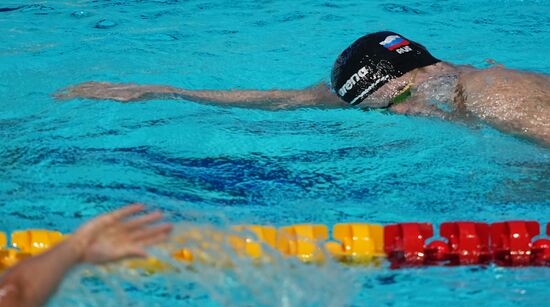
point(383, 70)
point(107, 238)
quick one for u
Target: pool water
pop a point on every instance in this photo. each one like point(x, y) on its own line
point(64, 162)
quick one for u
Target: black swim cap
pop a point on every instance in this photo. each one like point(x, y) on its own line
point(372, 61)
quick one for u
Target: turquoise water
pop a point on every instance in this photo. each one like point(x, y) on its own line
point(62, 163)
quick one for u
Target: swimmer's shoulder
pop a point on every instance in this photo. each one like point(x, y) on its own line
point(499, 76)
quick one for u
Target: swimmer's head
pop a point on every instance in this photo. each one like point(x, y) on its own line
point(371, 62)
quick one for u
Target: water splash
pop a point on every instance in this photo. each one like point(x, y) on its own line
point(217, 275)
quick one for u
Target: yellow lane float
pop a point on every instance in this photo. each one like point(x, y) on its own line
point(358, 242)
point(302, 241)
point(3, 240)
point(212, 246)
point(35, 241)
point(26, 244)
point(250, 246)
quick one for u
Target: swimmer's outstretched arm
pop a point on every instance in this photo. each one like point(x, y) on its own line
point(319, 95)
point(106, 238)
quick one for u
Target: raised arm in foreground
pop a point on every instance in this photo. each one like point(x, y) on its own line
point(106, 238)
point(319, 95)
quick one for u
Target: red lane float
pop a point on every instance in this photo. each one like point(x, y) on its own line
point(541, 249)
point(511, 242)
point(404, 243)
point(467, 243)
point(508, 243)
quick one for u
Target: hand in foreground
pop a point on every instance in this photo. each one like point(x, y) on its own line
point(115, 235)
point(102, 90)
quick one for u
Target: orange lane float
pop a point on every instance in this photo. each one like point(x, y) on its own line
point(509, 243)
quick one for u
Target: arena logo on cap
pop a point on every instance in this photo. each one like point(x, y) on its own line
point(361, 73)
point(393, 42)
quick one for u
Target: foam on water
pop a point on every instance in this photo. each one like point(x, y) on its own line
point(217, 273)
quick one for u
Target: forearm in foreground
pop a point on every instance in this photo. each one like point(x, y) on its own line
point(33, 281)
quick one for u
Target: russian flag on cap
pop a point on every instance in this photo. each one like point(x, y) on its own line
point(393, 42)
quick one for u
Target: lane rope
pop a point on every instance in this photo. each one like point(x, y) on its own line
point(508, 243)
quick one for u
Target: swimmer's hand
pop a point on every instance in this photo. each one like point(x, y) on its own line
point(99, 90)
point(123, 92)
point(113, 236)
point(106, 238)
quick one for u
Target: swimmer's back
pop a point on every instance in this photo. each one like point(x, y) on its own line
point(514, 101)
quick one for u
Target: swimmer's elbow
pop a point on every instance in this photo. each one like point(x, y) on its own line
point(319, 96)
